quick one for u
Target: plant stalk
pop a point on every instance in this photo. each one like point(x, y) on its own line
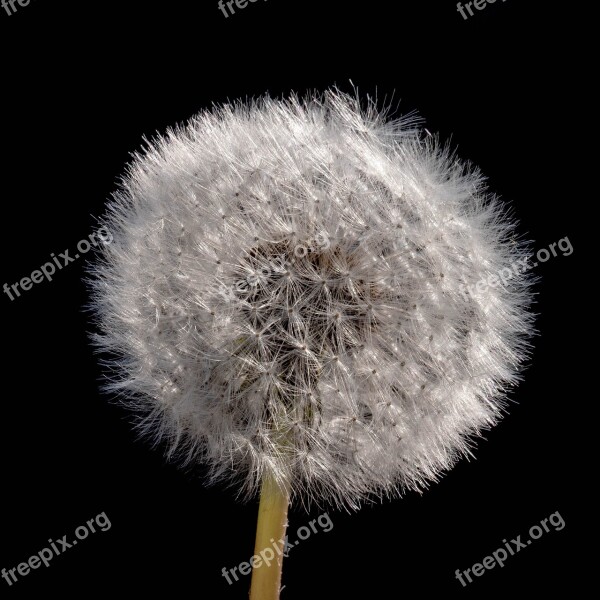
point(270, 534)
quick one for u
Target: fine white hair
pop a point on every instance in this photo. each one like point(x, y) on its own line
point(309, 290)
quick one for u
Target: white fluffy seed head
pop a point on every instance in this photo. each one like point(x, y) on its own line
point(292, 289)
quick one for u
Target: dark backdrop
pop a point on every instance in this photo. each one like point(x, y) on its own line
point(82, 82)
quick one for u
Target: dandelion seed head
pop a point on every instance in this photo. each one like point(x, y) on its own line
point(292, 289)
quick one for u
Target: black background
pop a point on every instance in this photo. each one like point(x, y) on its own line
point(82, 82)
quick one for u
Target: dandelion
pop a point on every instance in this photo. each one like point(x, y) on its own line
point(350, 364)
